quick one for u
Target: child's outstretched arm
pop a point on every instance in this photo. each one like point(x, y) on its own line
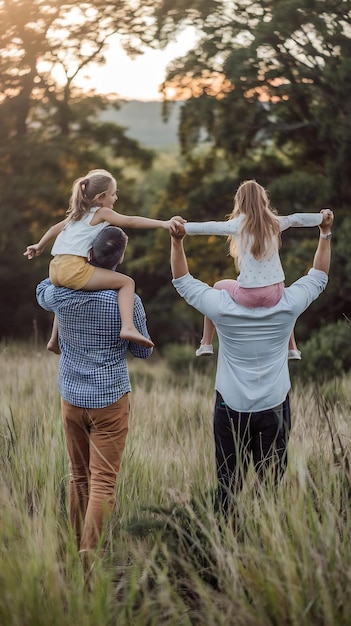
point(299, 220)
point(136, 221)
point(36, 249)
point(228, 228)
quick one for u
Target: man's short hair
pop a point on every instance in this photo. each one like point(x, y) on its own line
point(108, 247)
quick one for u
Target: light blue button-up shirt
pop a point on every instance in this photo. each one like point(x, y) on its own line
point(252, 368)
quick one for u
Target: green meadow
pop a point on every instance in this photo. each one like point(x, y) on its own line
point(171, 559)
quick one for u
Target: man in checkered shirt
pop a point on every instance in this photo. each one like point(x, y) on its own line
point(94, 385)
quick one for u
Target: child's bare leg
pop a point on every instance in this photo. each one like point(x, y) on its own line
point(206, 348)
point(292, 342)
point(293, 351)
point(208, 332)
point(126, 307)
point(107, 279)
point(53, 344)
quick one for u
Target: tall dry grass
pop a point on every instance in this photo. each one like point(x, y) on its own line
point(171, 558)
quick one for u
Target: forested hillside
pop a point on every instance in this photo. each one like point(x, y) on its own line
point(144, 122)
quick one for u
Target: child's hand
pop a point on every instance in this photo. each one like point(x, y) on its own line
point(176, 225)
point(179, 219)
point(33, 251)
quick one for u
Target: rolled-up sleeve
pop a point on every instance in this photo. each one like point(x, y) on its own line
point(305, 290)
point(199, 295)
point(44, 294)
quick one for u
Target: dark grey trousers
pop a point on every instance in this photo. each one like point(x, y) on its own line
point(241, 437)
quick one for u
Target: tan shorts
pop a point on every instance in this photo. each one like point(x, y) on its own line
point(67, 270)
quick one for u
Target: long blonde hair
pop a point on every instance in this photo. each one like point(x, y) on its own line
point(260, 227)
point(85, 191)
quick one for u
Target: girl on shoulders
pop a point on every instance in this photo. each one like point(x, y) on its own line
point(253, 231)
point(90, 210)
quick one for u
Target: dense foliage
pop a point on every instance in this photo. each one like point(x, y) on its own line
point(50, 132)
point(267, 95)
point(268, 87)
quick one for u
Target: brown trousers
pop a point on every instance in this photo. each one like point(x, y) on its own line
point(95, 442)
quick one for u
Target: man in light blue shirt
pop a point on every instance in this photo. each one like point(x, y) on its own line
point(252, 412)
point(94, 385)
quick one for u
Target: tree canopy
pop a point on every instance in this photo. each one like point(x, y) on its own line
point(50, 131)
point(269, 73)
point(267, 92)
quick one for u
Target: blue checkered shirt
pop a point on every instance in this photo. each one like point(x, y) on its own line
point(93, 370)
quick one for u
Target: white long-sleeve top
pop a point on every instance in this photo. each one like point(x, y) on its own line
point(77, 236)
point(268, 269)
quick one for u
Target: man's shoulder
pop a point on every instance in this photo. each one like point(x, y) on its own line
point(106, 296)
point(65, 294)
point(186, 278)
point(312, 276)
point(60, 295)
point(312, 284)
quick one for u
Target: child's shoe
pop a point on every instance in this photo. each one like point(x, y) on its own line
point(204, 350)
point(294, 355)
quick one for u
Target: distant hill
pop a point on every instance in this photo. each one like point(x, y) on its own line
point(145, 123)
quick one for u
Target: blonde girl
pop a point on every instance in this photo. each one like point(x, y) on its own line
point(253, 231)
point(90, 210)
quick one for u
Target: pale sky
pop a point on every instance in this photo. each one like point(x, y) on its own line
point(136, 79)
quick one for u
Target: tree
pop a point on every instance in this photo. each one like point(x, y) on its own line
point(50, 131)
point(269, 88)
point(266, 73)
point(45, 44)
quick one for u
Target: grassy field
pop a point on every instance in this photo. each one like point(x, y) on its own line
point(171, 559)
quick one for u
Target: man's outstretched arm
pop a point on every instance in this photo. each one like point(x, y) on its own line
point(321, 259)
point(179, 264)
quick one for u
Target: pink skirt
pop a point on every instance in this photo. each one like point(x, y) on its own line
point(252, 297)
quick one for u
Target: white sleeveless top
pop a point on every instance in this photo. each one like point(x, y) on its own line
point(77, 236)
